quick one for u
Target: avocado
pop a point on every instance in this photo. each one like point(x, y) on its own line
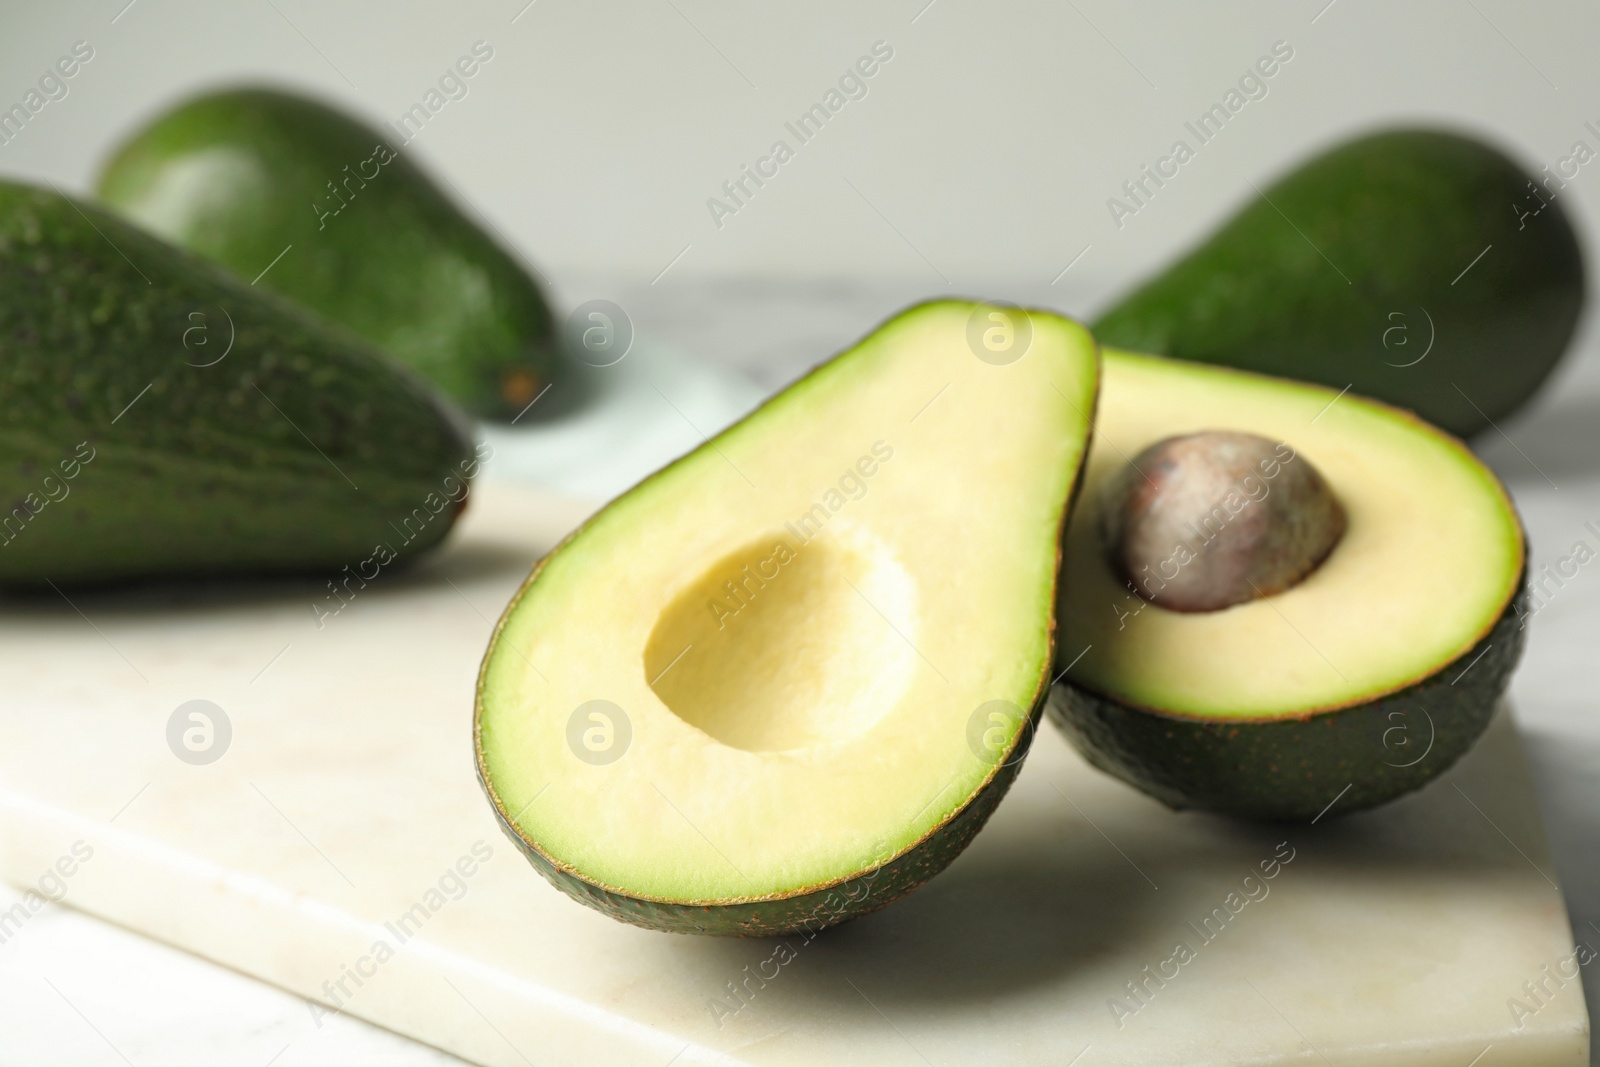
point(774, 686)
point(1419, 267)
point(160, 417)
point(1364, 677)
point(247, 176)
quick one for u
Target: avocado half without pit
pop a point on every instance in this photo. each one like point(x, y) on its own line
point(785, 680)
point(1278, 601)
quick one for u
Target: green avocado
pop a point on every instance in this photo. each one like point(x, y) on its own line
point(1419, 267)
point(1362, 680)
point(770, 688)
point(160, 417)
point(247, 176)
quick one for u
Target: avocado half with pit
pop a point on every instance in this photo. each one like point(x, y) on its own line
point(1279, 601)
point(786, 679)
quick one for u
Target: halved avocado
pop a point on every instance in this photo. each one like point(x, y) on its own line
point(1362, 681)
point(784, 680)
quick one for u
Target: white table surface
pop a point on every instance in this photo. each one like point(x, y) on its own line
point(72, 986)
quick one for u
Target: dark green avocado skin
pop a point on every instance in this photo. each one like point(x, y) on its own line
point(374, 245)
point(1343, 270)
point(122, 456)
point(806, 912)
point(1292, 770)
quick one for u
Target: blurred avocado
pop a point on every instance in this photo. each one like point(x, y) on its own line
point(323, 209)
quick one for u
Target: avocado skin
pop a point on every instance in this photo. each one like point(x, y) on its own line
point(1401, 214)
point(1290, 770)
point(238, 175)
point(226, 468)
point(808, 911)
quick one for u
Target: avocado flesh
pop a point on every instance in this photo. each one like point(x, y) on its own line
point(1271, 707)
point(810, 756)
point(159, 417)
point(1352, 270)
point(373, 244)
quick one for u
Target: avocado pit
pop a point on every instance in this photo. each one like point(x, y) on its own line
point(1203, 521)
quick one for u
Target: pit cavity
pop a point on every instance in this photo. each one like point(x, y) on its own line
point(779, 646)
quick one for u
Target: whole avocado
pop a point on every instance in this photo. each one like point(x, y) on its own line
point(247, 176)
point(159, 417)
point(1416, 266)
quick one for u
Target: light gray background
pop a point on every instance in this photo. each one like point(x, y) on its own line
point(979, 162)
